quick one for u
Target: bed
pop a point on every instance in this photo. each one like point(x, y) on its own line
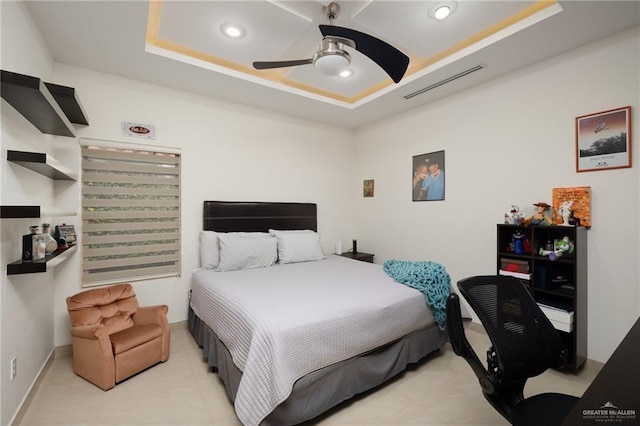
point(290, 341)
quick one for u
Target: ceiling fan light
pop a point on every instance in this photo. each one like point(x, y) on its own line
point(346, 73)
point(332, 64)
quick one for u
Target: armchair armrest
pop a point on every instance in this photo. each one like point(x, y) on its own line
point(461, 345)
point(156, 314)
point(96, 332)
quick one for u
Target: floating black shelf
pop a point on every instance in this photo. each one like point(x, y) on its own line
point(22, 212)
point(69, 102)
point(41, 163)
point(17, 212)
point(21, 267)
point(47, 111)
point(45, 165)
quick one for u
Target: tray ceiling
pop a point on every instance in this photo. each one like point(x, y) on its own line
point(178, 44)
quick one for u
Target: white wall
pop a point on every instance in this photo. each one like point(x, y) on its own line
point(229, 152)
point(27, 309)
point(511, 141)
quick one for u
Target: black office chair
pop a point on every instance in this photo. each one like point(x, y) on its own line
point(524, 344)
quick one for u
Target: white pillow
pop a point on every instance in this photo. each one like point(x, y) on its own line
point(246, 251)
point(298, 246)
point(209, 250)
point(210, 246)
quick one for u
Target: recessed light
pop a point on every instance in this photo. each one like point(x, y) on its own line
point(442, 9)
point(232, 30)
point(442, 12)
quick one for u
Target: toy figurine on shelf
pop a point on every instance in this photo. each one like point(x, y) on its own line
point(518, 242)
point(514, 217)
point(562, 248)
point(566, 211)
point(545, 215)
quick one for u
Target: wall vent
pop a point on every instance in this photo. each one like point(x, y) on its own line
point(445, 81)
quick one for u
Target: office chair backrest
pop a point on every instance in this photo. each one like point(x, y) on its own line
point(524, 341)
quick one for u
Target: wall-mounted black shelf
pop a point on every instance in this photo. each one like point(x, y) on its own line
point(45, 165)
point(47, 111)
point(22, 212)
point(52, 260)
point(69, 102)
point(41, 163)
point(18, 212)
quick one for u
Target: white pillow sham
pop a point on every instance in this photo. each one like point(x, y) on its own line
point(246, 251)
point(209, 250)
point(210, 246)
point(298, 246)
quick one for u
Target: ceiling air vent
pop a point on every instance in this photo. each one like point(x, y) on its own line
point(445, 81)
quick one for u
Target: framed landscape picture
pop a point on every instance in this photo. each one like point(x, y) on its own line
point(603, 140)
point(428, 177)
point(367, 188)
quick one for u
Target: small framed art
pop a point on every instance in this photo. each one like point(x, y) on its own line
point(367, 188)
point(603, 140)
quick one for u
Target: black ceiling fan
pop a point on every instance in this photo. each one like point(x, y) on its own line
point(331, 58)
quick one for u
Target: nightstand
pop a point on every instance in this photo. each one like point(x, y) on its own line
point(365, 257)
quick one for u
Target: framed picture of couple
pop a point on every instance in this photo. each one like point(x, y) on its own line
point(428, 176)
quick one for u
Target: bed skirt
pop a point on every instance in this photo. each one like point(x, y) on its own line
point(323, 389)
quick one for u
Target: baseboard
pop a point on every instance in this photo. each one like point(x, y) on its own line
point(59, 352)
point(62, 351)
point(24, 406)
point(180, 325)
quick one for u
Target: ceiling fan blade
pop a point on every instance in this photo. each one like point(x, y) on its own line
point(390, 59)
point(281, 64)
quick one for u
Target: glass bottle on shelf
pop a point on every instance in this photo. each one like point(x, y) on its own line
point(50, 243)
point(37, 243)
point(28, 243)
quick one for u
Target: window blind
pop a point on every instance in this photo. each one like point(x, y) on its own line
point(130, 214)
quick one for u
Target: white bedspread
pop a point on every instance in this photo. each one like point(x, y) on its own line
point(283, 322)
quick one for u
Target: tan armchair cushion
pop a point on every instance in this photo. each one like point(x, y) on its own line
point(134, 336)
point(110, 306)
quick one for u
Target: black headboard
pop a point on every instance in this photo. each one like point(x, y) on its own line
point(236, 216)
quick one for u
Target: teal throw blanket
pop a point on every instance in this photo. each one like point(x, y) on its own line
point(430, 278)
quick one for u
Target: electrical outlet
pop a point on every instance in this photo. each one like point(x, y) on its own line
point(14, 367)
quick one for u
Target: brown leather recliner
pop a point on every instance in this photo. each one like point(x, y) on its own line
point(113, 337)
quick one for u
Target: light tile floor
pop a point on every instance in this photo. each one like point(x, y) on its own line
point(441, 390)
